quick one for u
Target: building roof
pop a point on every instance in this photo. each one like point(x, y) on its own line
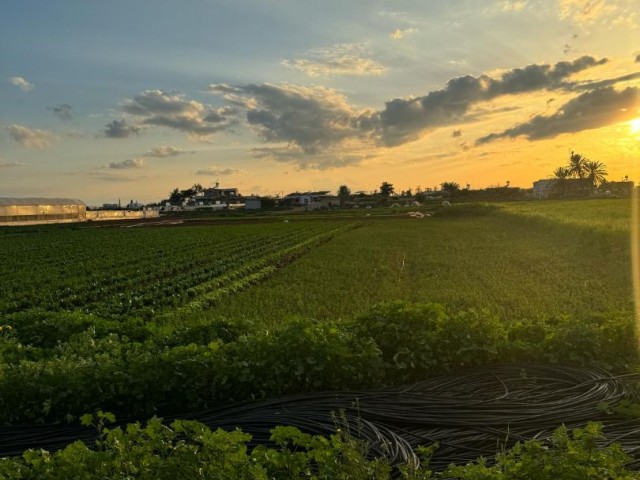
point(4, 201)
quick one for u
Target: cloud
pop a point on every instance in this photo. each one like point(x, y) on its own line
point(590, 110)
point(164, 151)
point(586, 11)
point(399, 34)
point(63, 112)
point(108, 176)
point(215, 171)
point(310, 118)
point(293, 154)
point(609, 82)
point(456, 133)
point(120, 129)
point(21, 83)
point(159, 108)
point(341, 59)
point(638, 58)
point(126, 164)
point(31, 137)
point(403, 120)
point(8, 164)
point(513, 6)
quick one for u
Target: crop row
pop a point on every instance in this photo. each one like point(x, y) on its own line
point(107, 277)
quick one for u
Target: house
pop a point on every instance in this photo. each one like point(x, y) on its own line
point(252, 203)
point(621, 189)
point(312, 200)
point(544, 188)
point(562, 187)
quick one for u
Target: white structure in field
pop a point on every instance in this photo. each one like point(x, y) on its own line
point(41, 210)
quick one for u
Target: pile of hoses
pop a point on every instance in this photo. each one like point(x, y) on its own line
point(471, 414)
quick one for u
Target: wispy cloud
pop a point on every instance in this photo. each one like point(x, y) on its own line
point(216, 171)
point(8, 164)
point(164, 151)
point(31, 137)
point(513, 6)
point(341, 59)
point(399, 34)
point(130, 163)
point(22, 83)
point(110, 176)
point(294, 155)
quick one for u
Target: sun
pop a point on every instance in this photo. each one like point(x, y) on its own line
point(635, 125)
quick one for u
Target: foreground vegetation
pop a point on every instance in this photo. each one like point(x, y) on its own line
point(189, 450)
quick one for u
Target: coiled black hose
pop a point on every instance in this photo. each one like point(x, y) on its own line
point(471, 414)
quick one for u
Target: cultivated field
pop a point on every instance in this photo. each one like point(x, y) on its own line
point(148, 320)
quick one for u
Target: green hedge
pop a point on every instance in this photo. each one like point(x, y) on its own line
point(183, 369)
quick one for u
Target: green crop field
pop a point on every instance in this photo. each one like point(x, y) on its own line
point(527, 259)
point(139, 321)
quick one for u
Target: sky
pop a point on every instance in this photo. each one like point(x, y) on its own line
point(129, 99)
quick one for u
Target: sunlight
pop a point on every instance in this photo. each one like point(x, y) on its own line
point(635, 125)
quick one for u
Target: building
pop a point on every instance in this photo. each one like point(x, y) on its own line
point(252, 203)
point(41, 210)
point(562, 187)
point(544, 188)
point(312, 200)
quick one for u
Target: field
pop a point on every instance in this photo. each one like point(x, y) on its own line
point(148, 320)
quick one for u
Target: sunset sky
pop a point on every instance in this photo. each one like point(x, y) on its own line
point(130, 99)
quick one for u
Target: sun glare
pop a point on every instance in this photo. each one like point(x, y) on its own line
point(635, 125)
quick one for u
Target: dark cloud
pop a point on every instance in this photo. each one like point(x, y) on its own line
point(403, 120)
point(638, 58)
point(456, 133)
point(63, 112)
point(120, 129)
point(593, 109)
point(605, 83)
point(311, 118)
point(159, 108)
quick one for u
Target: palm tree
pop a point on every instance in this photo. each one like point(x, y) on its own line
point(577, 165)
point(596, 172)
point(561, 174)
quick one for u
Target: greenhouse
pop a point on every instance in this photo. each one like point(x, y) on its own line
point(41, 210)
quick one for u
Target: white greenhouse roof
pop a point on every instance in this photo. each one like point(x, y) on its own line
point(4, 201)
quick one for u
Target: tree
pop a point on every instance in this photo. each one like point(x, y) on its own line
point(596, 172)
point(450, 188)
point(175, 195)
point(577, 165)
point(386, 189)
point(344, 193)
point(561, 174)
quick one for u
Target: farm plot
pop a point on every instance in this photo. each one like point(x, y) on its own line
point(123, 272)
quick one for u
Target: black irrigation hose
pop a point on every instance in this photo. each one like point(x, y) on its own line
point(471, 414)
